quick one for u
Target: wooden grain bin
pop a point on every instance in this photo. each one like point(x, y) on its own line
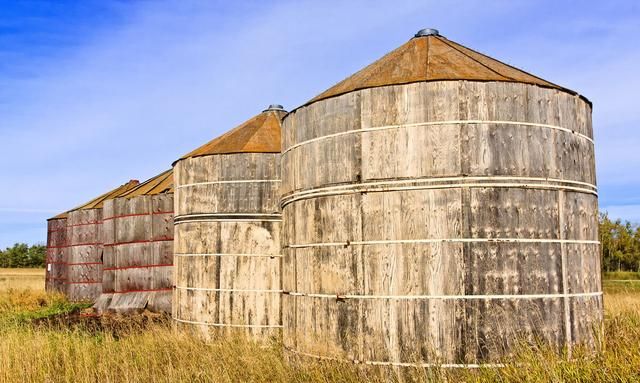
point(138, 248)
point(83, 268)
point(438, 206)
point(227, 232)
point(55, 257)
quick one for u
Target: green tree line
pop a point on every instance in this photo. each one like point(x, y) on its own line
point(23, 255)
point(620, 245)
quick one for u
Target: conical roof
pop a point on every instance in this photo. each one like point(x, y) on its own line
point(431, 57)
point(97, 202)
point(162, 183)
point(259, 134)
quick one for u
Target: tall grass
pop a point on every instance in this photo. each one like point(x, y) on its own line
point(148, 350)
point(619, 360)
point(33, 354)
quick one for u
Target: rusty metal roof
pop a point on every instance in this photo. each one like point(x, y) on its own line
point(162, 183)
point(97, 202)
point(432, 58)
point(259, 134)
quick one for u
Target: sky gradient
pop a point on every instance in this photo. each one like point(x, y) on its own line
point(94, 93)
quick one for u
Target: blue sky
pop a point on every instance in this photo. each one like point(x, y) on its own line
point(93, 93)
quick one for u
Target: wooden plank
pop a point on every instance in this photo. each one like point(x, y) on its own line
point(225, 279)
point(142, 248)
point(56, 255)
point(84, 255)
point(509, 145)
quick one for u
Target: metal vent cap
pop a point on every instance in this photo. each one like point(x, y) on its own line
point(427, 32)
point(277, 107)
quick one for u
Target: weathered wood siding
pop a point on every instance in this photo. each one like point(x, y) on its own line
point(227, 244)
point(108, 258)
point(84, 255)
point(138, 261)
point(56, 259)
point(439, 222)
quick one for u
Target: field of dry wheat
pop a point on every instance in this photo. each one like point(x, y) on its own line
point(22, 279)
point(42, 340)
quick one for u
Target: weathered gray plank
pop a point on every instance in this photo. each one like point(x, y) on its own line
point(384, 245)
point(227, 269)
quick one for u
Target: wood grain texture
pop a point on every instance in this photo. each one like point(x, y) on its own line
point(84, 255)
point(138, 265)
point(227, 268)
point(56, 254)
point(373, 244)
point(109, 261)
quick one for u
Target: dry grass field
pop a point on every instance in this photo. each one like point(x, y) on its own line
point(22, 279)
point(73, 348)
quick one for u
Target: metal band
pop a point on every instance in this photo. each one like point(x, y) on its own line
point(110, 244)
point(399, 364)
point(444, 240)
point(228, 290)
point(228, 217)
point(446, 297)
point(227, 254)
point(227, 220)
point(225, 182)
point(436, 123)
point(442, 183)
point(228, 324)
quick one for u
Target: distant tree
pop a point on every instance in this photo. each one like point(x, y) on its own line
point(37, 256)
point(23, 255)
point(620, 244)
point(19, 254)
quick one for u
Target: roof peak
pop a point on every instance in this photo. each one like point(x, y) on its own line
point(97, 202)
point(428, 57)
point(259, 134)
point(158, 184)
